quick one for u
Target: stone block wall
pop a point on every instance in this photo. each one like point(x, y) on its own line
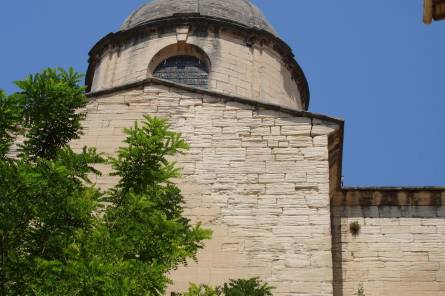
point(255, 72)
point(400, 249)
point(259, 178)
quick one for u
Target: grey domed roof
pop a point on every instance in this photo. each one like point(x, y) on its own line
point(241, 12)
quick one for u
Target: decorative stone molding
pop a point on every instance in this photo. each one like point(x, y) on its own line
point(182, 33)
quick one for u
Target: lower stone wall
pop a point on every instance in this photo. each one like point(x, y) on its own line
point(399, 250)
point(258, 177)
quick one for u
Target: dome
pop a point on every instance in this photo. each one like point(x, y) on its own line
point(240, 12)
point(243, 53)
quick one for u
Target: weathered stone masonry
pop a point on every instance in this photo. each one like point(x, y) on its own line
point(400, 249)
point(262, 172)
point(258, 177)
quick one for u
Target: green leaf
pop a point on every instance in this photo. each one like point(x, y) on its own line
point(57, 235)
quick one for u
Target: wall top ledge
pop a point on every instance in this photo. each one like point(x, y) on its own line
point(390, 196)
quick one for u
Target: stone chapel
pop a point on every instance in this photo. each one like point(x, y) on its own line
point(263, 172)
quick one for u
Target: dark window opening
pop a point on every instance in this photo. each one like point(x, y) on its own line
point(185, 70)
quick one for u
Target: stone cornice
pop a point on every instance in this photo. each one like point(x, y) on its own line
point(389, 196)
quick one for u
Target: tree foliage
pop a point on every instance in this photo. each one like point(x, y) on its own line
point(9, 119)
point(48, 102)
point(201, 290)
point(243, 287)
point(56, 235)
point(240, 287)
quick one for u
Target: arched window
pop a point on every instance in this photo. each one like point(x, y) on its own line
point(184, 69)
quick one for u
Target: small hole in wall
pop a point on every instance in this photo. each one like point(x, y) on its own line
point(354, 228)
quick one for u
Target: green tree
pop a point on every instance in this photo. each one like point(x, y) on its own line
point(56, 235)
point(201, 290)
point(9, 119)
point(246, 287)
point(240, 287)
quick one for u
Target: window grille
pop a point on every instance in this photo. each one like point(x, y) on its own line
point(187, 70)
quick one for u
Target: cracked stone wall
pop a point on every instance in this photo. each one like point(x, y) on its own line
point(259, 178)
point(399, 251)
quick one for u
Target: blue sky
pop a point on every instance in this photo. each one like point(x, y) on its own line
point(372, 63)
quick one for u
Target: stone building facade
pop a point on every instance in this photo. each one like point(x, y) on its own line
point(262, 172)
